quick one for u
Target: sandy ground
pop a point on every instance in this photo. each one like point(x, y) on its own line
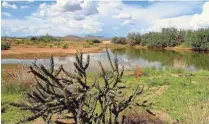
point(33, 52)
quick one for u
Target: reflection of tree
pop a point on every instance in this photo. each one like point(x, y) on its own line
point(167, 58)
point(120, 51)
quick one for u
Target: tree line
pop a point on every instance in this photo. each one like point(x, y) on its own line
point(168, 37)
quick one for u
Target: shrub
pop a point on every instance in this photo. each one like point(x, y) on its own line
point(47, 38)
point(119, 40)
point(134, 38)
point(41, 45)
point(137, 71)
point(5, 45)
point(87, 45)
point(33, 38)
point(93, 41)
point(65, 46)
point(90, 42)
point(50, 45)
point(198, 40)
point(155, 40)
point(75, 94)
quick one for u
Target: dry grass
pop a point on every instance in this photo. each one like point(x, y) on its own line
point(136, 117)
point(196, 113)
point(17, 74)
point(137, 71)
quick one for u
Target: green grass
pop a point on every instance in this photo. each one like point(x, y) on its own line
point(172, 91)
point(12, 93)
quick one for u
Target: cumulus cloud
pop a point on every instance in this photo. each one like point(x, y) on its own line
point(58, 26)
point(194, 22)
point(7, 5)
point(201, 20)
point(6, 14)
point(86, 17)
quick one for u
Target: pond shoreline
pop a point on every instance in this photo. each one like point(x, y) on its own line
point(35, 52)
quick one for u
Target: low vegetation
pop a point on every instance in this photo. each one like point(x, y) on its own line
point(177, 96)
point(5, 45)
point(47, 38)
point(87, 102)
point(65, 46)
point(119, 40)
point(169, 37)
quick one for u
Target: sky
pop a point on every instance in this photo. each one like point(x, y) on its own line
point(100, 18)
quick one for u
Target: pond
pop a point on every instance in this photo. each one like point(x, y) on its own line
point(130, 58)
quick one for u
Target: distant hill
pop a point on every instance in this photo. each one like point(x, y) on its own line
point(72, 37)
point(90, 37)
point(68, 37)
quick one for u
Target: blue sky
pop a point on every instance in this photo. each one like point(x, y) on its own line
point(103, 18)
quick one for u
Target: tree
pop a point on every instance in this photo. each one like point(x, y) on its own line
point(134, 38)
point(119, 40)
point(74, 94)
point(198, 40)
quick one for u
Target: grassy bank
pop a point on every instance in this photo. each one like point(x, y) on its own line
point(176, 95)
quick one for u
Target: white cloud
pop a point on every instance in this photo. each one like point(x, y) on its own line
point(30, 1)
point(87, 17)
point(6, 14)
point(122, 16)
point(194, 22)
point(7, 5)
point(23, 7)
point(201, 20)
point(128, 22)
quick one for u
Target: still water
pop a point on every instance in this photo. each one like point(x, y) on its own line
point(131, 57)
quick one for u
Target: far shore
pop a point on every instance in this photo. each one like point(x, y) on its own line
point(35, 52)
point(32, 52)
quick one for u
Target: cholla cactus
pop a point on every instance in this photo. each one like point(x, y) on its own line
point(87, 102)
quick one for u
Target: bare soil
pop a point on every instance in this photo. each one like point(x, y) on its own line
point(34, 52)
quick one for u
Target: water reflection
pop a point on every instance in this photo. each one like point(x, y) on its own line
point(131, 57)
point(186, 60)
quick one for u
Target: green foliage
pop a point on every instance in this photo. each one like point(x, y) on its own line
point(134, 39)
point(12, 88)
point(47, 38)
point(198, 40)
point(119, 40)
point(65, 46)
point(154, 39)
point(171, 37)
point(91, 42)
point(88, 102)
point(42, 45)
point(5, 45)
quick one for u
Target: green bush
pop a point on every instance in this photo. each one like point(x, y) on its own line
point(134, 38)
point(155, 40)
point(119, 40)
point(65, 46)
point(90, 42)
point(93, 41)
point(198, 40)
point(169, 37)
point(41, 45)
point(47, 38)
point(5, 45)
